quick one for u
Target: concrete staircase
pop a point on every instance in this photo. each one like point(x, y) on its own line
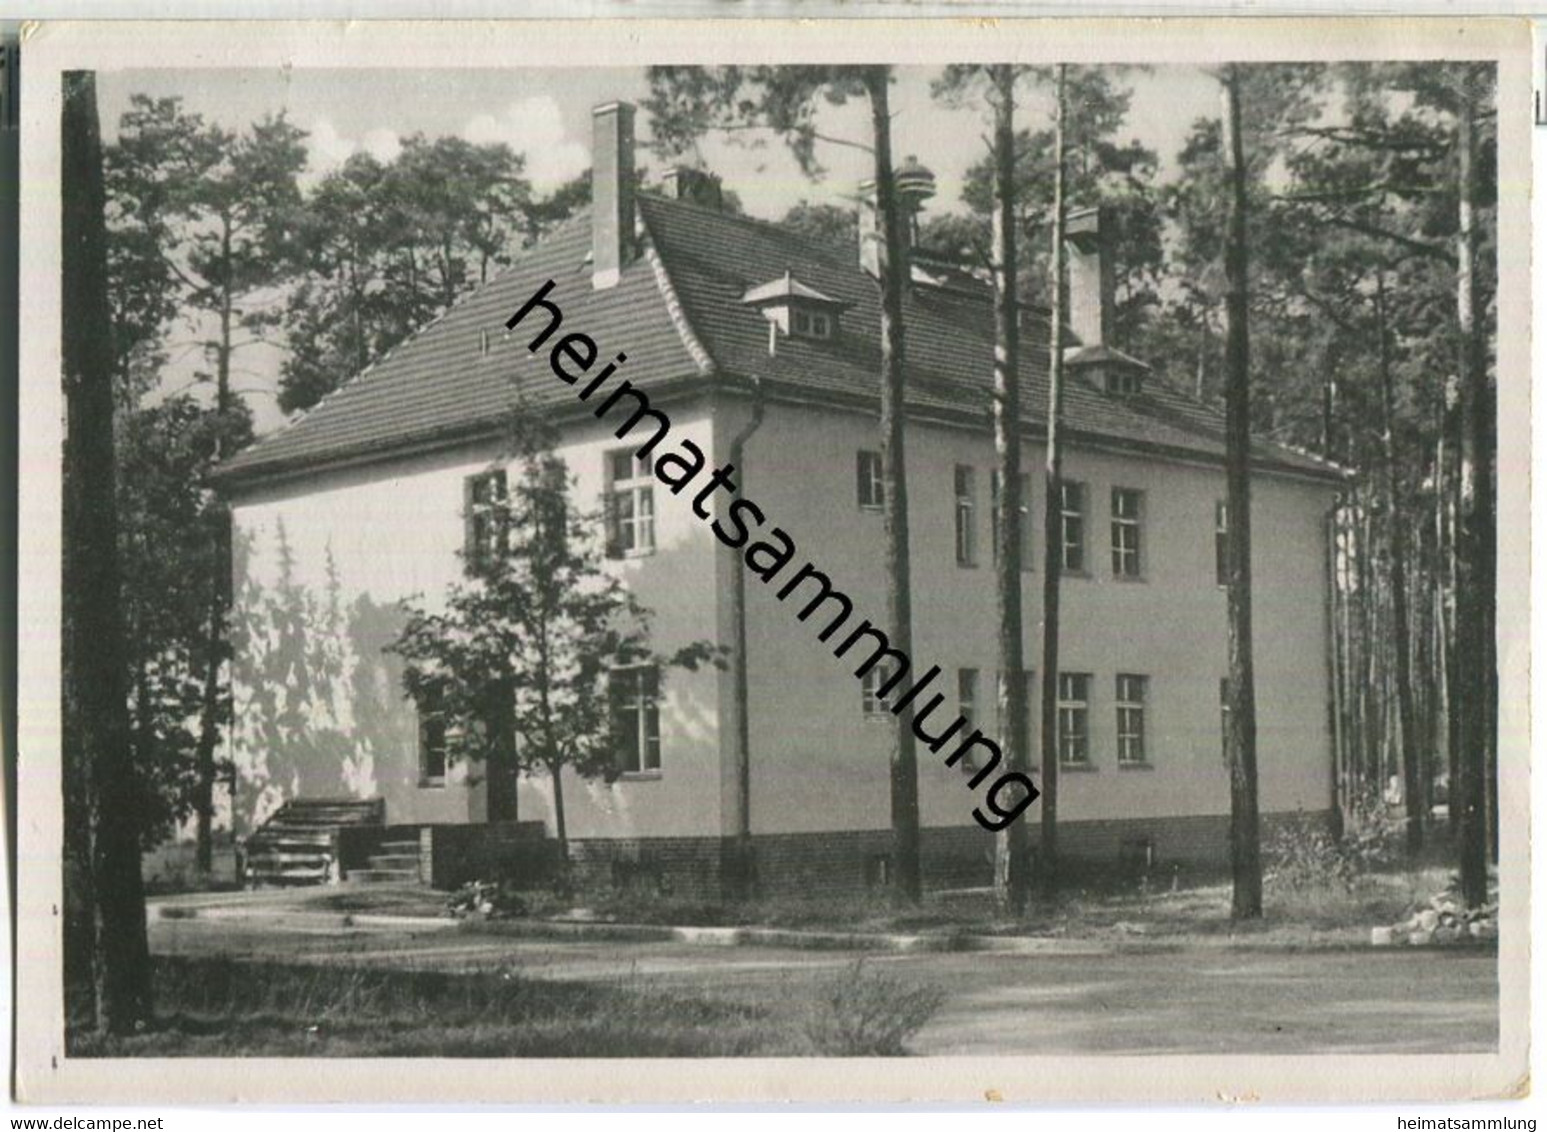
point(300, 843)
point(395, 862)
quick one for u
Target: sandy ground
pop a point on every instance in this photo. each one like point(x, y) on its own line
point(1212, 1000)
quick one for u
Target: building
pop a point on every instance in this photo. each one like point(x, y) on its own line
point(364, 501)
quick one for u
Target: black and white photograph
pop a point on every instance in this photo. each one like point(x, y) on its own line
point(960, 547)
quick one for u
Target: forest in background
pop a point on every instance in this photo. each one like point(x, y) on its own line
point(1359, 189)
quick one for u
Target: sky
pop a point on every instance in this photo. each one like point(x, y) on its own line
point(545, 114)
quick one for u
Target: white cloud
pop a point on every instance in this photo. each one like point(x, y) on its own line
point(329, 149)
point(383, 144)
point(534, 127)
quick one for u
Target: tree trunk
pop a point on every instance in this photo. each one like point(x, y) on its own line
point(1245, 854)
point(1052, 510)
point(95, 693)
point(1474, 560)
point(501, 775)
point(1454, 689)
point(1012, 879)
point(1339, 796)
point(1413, 794)
point(742, 866)
point(892, 279)
point(560, 829)
point(220, 585)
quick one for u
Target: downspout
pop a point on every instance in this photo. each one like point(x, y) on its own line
point(742, 863)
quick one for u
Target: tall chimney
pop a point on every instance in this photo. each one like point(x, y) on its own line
point(612, 192)
point(914, 184)
point(1092, 285)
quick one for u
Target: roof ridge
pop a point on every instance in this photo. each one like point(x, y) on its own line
point(777, 227)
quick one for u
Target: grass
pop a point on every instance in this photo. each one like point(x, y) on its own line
point(220, 1007)
point(1094, 905)
point(223, 1007)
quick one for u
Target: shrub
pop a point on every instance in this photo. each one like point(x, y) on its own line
point(485, 900)
point(863, 1014)
point(1301, 855)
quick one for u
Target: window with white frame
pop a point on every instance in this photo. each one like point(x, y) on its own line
point(967, 696)
point(1072, 525)
point(966, 516)
point(810, 324)
point(1127, 513)
point(1221, 543)
point(1125, 382)
point(872, 704)
point(1074, 718)
point(1131, 694)
point(870, 486)
point(1025, 517)
point(630, 505)
point(432, 742)
point(633, 694)
point(484, 535)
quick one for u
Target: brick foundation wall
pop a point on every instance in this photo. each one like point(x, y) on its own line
point(452, 855)
point(805, 864)
point(689, 867)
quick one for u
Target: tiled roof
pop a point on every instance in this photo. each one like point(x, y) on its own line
point(678, 314)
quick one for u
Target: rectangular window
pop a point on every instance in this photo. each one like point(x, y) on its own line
point(1025, 517)
point(867, 471)
point(432, 743)
point(966, 516)
point(1221, 543)
point(1131, 691)
point(1127, 510)
point(1124, 382)
point(629, 505)
point(967, 696)
point(484, 535)
point(1074, 718)
point(1072, 514)
point(871, 703)
point(633, 694)
point(810, 324)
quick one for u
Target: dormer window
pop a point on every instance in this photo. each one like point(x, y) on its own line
point(1110, 370)
point(1125, 382)
point(795, 309)
point(810, 324)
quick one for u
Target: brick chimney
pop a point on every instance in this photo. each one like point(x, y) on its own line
point(699, 186)
point(1092, 286)
point(612, 192)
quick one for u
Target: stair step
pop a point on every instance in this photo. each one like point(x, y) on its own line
point(395, 861)
point(384, 876)
point(400, 847)
point(280, 857)
point(291, 844)
point(297, 843)
point(292, 875)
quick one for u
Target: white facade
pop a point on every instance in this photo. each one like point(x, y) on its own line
point(320, 710)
